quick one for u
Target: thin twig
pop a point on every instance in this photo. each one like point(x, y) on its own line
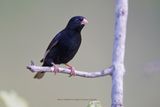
point(104, 72)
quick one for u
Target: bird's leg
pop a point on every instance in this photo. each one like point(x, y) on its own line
point(56, 69)
point(72, 73)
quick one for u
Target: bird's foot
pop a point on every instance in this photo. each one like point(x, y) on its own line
point(72, 73)
point(55, 69)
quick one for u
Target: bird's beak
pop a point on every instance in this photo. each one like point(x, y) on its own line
point(84, 21)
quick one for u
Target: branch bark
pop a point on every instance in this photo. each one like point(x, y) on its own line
point(121, 14)
point(101, 73)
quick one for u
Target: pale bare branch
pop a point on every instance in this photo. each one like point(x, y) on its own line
point(100, 73)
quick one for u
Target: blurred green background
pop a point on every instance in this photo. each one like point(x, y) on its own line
point(27, 27)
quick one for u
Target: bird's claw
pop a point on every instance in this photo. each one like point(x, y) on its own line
point(55, 69)
point(72, 73)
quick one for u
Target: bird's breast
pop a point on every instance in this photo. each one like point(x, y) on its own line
point(68, 47)
point(71, 42)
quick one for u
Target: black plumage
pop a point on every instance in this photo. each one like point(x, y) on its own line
point(64, 45)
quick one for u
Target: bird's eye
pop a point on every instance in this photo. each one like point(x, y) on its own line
point(81, 19)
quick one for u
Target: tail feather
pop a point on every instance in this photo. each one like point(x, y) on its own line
point(39, 75)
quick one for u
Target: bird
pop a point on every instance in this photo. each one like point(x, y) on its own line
point(64, 46)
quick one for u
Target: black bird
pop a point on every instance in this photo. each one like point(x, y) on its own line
point(64, 45)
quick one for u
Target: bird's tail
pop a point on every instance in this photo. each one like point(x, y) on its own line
point(39, 75)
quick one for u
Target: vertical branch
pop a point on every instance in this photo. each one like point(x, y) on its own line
point(121, 14)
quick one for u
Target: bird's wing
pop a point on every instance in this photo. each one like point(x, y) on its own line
point(53, 43)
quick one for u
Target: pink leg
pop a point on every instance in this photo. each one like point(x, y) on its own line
point(72, 73)
point(55, 68)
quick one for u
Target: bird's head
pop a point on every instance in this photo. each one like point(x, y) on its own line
point(77, 23)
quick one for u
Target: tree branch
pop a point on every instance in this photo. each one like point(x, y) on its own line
point(121, 15)
point(104, 72)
